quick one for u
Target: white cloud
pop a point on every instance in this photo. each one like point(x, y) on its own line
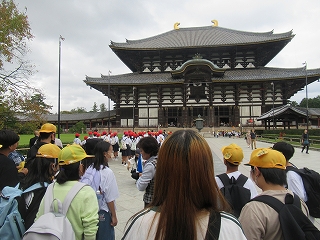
point(88, 26)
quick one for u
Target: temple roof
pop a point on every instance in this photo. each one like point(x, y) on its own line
point(236, 75)
point(73, 116)
point(278, 111)
point(201, 36)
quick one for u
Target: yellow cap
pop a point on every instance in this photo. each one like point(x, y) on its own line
point(72, 154)
point(267, 158)
point(233, 154)
point(48, 151)
point(48, 128)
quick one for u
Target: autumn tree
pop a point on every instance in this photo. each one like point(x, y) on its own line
point(14, 33)
point(20, 101)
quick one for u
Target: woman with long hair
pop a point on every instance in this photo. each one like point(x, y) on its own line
point(187, 203)
point(102, 179)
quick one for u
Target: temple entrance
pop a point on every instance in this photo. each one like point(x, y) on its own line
point(172, 122)
point(224, 122)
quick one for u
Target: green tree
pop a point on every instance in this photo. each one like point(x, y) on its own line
point(78, 128)
point(23, 111)
point(75, 110)
point(312, 102)
point(102, 107)
point(293, 104)
point(95, 107)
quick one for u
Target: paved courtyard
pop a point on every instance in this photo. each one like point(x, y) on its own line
point(130, 200)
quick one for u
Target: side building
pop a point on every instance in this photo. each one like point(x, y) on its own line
point(211, 71)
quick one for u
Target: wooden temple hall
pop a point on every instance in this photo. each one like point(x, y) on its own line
point(211, 71)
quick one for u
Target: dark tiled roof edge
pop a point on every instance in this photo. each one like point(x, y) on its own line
point(202, 36)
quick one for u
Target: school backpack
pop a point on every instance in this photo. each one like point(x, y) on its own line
point(123, 145)
point(11, 223)
point(234, 192)
point(54, 224)
point(293, 222)
point(311, 183)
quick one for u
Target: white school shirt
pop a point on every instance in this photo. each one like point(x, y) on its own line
point(248, 185)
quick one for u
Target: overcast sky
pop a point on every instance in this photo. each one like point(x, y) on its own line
point(88, 26)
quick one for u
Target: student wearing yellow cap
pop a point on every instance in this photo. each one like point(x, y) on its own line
point(234, 181)
point(47, 134)
point(41, 173)
point(83, 210)
point(268, 171)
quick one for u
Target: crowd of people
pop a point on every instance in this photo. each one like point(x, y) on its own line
point(183, 199)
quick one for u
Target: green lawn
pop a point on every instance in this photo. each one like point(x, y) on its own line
point(65, 138)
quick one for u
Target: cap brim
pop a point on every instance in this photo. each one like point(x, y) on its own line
point(247, 164)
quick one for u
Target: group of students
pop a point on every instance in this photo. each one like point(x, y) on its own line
point(187, 201)
point(182, 200)
point(92, 212)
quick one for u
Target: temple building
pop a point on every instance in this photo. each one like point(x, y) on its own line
point(215, 72)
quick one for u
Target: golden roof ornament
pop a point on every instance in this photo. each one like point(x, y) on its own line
point(176, 26)
point(215, 23)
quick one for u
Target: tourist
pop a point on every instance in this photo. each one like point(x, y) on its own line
point(186, 196)
point(305, 141)
point(149, 148)
point(253, 137)
point(248, 138)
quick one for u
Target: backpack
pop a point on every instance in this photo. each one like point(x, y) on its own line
point(134, 145)
point(294, 223)
point(234, 192)
point(11, 223)
point(311, 183)
point(113, 141)
point(123, 145)
point(54, 224)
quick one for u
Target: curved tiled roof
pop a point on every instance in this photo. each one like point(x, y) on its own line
point(237, 75)
point(299, 110)
point(80, 116)
point(202, 36)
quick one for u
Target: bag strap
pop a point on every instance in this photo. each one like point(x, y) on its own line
point(35, 186)
point(241, 180)
point(277, 204)
point(71, 194)
point(224, 179)
point(48, 198)
point(214, 225)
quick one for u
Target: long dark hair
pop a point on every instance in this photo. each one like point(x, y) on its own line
point(99, 150)
point(185, 185)
point(39, 172)
point(68, 173)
